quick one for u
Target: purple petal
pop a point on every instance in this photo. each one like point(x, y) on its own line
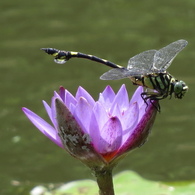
point(48, 110)
point(106, 97)
point(53, 108)
point(98, 119)
point(43, 126)
point(53, 111)
point(122, 98)
point(110, 136)
point(130, 117)
point(56, 95)
point(82, 114)
point(141, 131)
point(137, 96)
point(83, 93)
point(69, 99)
point(141, 104)
point(115, 111)
point(143, 109)
point(100, 114)
point(62, 93)
point(129, 121)
point(94, 130)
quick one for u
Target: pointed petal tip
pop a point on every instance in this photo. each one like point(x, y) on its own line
point(43, 101)
point(81, 92)
point(26, 110)
point(123, 86)
point(108, 88)
point(61, 88)
point(23, 108)
point(139, 89)
point(123, 89)
point(59, 105)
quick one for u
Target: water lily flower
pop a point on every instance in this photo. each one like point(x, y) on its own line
point(97, 132)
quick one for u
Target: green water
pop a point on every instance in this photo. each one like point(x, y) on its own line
point(115, 30)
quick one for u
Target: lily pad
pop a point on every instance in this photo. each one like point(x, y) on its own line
point(127, 183)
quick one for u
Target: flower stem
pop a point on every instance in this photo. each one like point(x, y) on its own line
point(105, 181)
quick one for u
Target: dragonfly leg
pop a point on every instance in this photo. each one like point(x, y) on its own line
point(151, 96)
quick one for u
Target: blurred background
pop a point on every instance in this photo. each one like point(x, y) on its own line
point(115, 30)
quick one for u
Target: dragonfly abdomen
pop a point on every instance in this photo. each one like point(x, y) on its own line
point(63, 56)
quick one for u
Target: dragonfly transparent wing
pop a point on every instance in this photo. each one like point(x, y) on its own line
point(142, 63)
point(138, 65)
point(115, 74)
point(147, 62)
point(164, 57)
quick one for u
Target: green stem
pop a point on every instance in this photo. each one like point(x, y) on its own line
point(104, 181)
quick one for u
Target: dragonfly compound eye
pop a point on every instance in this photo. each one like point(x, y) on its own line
point(180, 89)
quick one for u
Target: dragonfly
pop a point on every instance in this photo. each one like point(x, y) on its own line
point(147, 69)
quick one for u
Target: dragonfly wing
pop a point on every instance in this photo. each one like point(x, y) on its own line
point(142, 62)
point(164, 57)
point(118, 73)
point(147, 62)
point(138, 65)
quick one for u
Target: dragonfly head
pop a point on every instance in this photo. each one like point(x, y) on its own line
point(180, 88)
